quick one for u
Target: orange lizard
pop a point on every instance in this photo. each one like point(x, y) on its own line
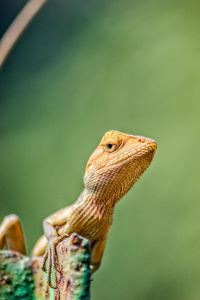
point(112, 169)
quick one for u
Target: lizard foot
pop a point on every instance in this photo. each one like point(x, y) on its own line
point(52, 258)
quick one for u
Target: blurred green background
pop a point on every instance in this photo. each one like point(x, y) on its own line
point(85, 67)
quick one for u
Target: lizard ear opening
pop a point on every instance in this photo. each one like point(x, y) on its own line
point(89, 168)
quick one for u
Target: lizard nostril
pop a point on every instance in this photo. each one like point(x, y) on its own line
point(140, 141)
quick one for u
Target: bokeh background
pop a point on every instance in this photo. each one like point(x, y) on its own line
point(82, 68)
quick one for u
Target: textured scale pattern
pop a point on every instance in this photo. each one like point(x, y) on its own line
point(112, 169)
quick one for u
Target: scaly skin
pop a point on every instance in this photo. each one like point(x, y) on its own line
point(112, 169)
point(114, 166)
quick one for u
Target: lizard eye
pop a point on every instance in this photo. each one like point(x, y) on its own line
point(110, 147)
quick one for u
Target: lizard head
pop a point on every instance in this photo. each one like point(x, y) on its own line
point(118, 161)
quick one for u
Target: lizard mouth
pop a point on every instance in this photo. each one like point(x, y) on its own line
point(148, 147)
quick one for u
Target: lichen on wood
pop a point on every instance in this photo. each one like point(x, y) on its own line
point(21, 277)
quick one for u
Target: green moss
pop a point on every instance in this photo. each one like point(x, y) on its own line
point(16, 281)
point(21, 278)
point(83, 277)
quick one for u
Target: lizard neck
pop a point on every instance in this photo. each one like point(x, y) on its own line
point(97, 203)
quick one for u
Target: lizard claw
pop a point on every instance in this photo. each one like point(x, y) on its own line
point(43, 266)
point(52, 258)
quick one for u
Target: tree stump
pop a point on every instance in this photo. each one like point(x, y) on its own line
point(21, 277)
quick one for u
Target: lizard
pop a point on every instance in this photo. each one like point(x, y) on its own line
point(112, 169)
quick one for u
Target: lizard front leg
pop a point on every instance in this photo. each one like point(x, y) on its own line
point(51, 226)
point(11, 234)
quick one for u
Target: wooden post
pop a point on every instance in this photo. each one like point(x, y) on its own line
point(21, 277)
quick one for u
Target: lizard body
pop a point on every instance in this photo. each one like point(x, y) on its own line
point(114, 166)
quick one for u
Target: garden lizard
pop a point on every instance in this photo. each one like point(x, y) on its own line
point(112, 169)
